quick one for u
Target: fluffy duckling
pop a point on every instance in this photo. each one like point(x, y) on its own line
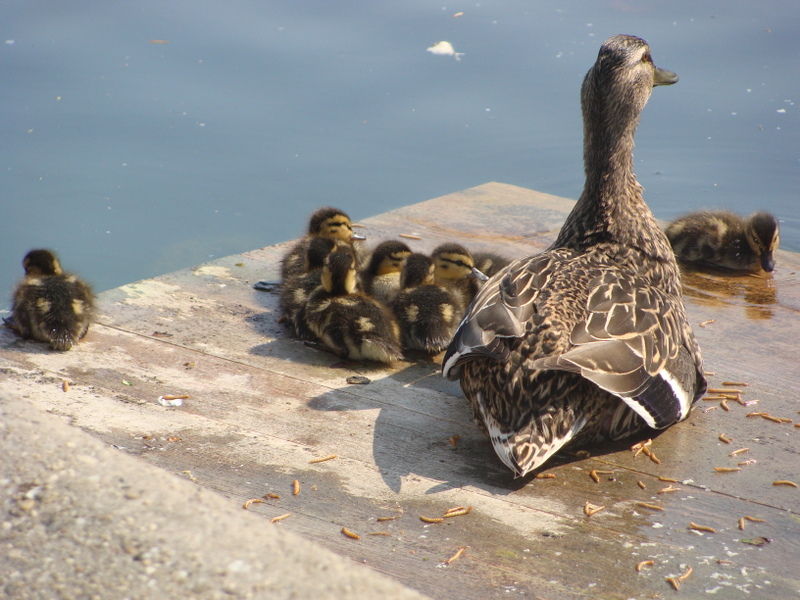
point(428, 314)
point(49, 305)
point(589, 340)
point(350, 323)
point(725, 240)
point(489, 263)
point(381, 277)
point(455, 269)
point(326, 222)
point(295, 290)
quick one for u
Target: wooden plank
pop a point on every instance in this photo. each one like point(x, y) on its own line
point(262, 406)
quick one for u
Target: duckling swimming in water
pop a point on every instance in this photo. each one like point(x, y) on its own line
point(49, 305)
point(350, 323)
point(326, 222)
point(381, 277)
point(725, 240)
point(587, 341)
point(455, 269)
point(428, 313)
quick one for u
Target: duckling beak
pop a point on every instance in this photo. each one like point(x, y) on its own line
point(664, 77)
point(478, 274)
point(767, 262)
point(357, 236)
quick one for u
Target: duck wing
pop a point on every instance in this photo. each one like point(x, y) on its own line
point(621, 332)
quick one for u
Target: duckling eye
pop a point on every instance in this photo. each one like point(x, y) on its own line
point(646, 57)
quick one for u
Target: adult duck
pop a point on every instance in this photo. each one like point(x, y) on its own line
point(587, 341)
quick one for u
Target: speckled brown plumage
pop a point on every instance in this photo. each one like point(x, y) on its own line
point(587, 341)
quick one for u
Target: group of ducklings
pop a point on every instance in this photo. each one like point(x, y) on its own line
point(376, 306)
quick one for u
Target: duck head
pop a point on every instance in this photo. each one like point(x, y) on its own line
point(41, 262)
point(388, 257)
point(339, 276)
point(763, 236)
point(332, 223)
point(454, 262)
point(418, 270)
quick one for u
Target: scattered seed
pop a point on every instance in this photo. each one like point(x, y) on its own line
point(724, 438)
point(784, 482)
point(350, 534)
point(654, 458)
point(755, 414)
point(381, 519)
point(430, 519)
point(735, 383)
point(722, 561)
point(409, 236)
point(247, 503)
point(709, 373)
point(272, 496)
point(280, 518)
point(582, 454)
point(648, 505)
point(594, 476)
point(723, 391)
point(739, 451)
point(726, 469)
point(752, 461)
point(668, 489)
point(386, 533)
point(748, 402)
point(454, 440)
point(65, 385)
point(456, 556)
point(708, 322)
point(754, 519)
point(667, 479)
point(176, 397)
point(697, 527)
point(724, 405)
point(458, 511)
point(705, 410)
point(674, 583)
point(358, 380)
point(769, 417)
point(756, 541)
point(685, 576)
point(319, 460)
point(641, 484)
point(741, 523)
point(643, 564)
point(591, 509)
point(797, 424)
point(545, 476)
point(714, 398)
point(295, 487)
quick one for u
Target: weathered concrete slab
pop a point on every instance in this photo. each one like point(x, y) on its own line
point(262, 406)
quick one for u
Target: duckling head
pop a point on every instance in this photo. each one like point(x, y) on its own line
point(318, 250)
point(339, 276)
point(454, 262)
point(417, 271)
point(41, 262)
point(388, 257)
point(763, 236)
point(332, 223)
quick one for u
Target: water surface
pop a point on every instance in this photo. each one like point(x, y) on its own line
point(140, 138)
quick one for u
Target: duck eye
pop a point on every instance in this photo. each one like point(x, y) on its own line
point(646, 57)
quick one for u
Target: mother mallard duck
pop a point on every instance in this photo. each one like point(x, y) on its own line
point(587, 341)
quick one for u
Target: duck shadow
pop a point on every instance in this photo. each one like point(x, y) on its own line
point(756, 293)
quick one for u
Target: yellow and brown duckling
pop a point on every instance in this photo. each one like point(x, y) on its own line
point(489, 263)
point(455, 269)
point(49, 305)
point(428, 313)
point(724, 240)
point(348, 322)
point(381, 277)
point(294, 290)
point(587, 341)
point(326, 222)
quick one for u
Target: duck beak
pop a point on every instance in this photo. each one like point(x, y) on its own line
point(356, 237)
point(767, 262)
point(478, 275)
point(664, 77)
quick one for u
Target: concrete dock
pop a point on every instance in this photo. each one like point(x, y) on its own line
point(263, 407)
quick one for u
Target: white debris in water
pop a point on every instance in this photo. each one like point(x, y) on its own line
point(174, 402)
point(445, 48)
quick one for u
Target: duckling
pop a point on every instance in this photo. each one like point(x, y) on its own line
point(725, 240)
point(428, 313)
point(49, 305)
point(326, 222)
point(350, 323)
point(381, 277)
point(294, 291)
point(489, 263)
point(455, 269)
point(587, 341)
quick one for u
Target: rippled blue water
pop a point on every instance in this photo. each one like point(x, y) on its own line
point(142, 137)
